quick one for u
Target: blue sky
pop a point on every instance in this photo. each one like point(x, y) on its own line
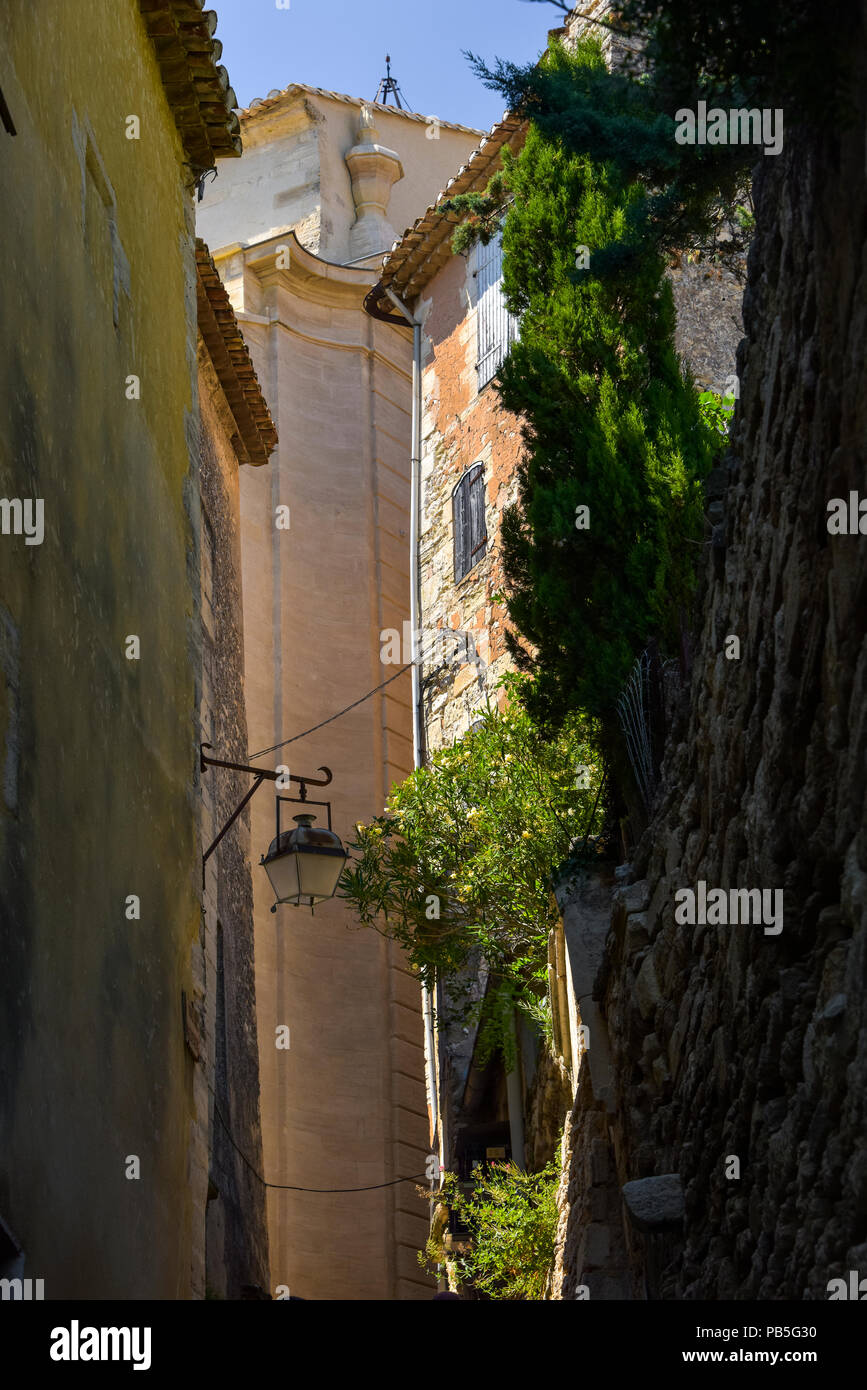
point(342, 44)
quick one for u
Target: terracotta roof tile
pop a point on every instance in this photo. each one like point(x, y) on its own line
point(232, 363)
point(426, 245)
point(197, 87)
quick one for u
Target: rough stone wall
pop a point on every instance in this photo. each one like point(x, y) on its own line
point(461, 426)
point(729, 1041)
point(590, 17)
point(707, 296)
point(548, 1100)
point(591, 1258)
point(708, 301)
point(226, 1081)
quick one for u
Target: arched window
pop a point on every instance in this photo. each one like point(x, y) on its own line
point(468, 514)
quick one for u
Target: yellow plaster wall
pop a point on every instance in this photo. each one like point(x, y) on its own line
point(93, 1060)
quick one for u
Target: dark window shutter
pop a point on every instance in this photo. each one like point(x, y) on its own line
point(468, 512)
point(478, 532)
point(459, 512)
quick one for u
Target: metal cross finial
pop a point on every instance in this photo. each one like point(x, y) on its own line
point(388, 86)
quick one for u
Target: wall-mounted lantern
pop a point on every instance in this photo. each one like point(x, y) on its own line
point(304, 864)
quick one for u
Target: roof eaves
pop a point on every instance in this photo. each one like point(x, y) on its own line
point(197, 87)
point(425, 246)
point(230, 355)
point(262, 105)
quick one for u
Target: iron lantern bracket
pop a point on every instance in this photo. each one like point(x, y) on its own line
point(301, 801)
point(261, 774)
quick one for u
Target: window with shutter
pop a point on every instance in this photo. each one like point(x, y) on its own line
point(496, 327)
point(468, 514)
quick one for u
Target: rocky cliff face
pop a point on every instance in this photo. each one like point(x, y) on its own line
point(739, 1051)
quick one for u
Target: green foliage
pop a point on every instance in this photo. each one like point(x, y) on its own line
point(746, 219)
point(716, 410)
point(788, 55)
point(480, 213)
point(611, 423)
point(767, 53)
point(681, 197)
point(512, 1218)
point(460, 865)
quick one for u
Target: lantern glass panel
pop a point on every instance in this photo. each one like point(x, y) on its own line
point(318, 874)
point(283, 873)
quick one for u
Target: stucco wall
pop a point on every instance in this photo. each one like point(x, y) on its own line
point(293, 173)
point(344, 1106)
point(275, 184)
point(100, 798)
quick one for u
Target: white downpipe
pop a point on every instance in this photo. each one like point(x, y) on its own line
point(515, 1103)
point(415, 499)
point(415, 625)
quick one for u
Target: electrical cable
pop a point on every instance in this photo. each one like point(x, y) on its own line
point(331, 719)
point(289, 1187)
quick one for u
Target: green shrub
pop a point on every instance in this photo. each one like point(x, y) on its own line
point(459, 867)
point(512, 1219)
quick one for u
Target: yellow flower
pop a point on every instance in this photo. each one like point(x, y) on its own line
point(525, 835)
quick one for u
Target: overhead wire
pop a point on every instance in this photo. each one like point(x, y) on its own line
point(330, 720)
point(290, 1187)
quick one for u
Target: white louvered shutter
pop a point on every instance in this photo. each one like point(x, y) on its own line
point(496, 326)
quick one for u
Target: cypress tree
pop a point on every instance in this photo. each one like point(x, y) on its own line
point(611, 420)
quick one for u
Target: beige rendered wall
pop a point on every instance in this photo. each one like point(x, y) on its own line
point(274, 185)
point(293, 173)
point(345, 1105)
